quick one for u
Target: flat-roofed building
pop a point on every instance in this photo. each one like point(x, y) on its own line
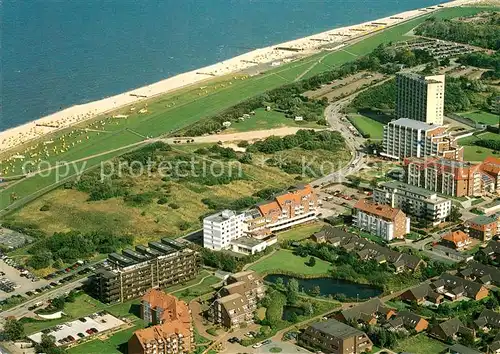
point(381, 220)
point(222, 228)
point(132, 273)
point(332, 336)
point(482, 227)
point(445, 176)
point(410, 138)
point(414, 201)
point(420, 97)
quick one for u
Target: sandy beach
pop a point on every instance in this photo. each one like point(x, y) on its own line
point(277, 54)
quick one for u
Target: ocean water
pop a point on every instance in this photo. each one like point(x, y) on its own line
point(57, 53)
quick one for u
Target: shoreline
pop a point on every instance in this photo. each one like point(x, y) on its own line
point(273, 56)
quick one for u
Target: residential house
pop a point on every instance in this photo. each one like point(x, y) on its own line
point(408, 321)
point(482, 227)
point(380, 220)
point(236, 302)
point(488, 320)
point(481, 273)
point(369, 312)
point(422, 293)
point(494, 347)
point(455, 288)
point(172, 332)
point(457, 240)
point(332, 336)
point(492, 250)
point(451, 329)
point(461, 349)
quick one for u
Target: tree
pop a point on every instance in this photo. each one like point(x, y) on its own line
point(312, 262)
point(48, 345)
point(294, 318)
point(13, 329)
point(279, 283)
point(316, 290)
point(454, 214)
point(292, 294)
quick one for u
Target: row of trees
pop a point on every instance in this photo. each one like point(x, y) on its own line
point(378, 97)
point(68, 247)
point(488, 143)
point(305, 139)
point(481, 34)
point(483, 60)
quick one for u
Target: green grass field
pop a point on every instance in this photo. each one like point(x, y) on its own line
point(419, 344)
point(477, 153)
point(482, 117)
point(300, 232)
point(368, 126)
point(205, 287)
point(177, 110)
point(111, 345)
point(268, 120)
point(286, 262)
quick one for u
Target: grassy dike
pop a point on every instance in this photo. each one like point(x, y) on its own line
point(189, 108)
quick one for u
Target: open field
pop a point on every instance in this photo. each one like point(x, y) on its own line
point(205, 287)
point(177, 110)
point(477, 153)
point(482, 117)
point(300, 232)
point(420, 344)
point(71, 209)
point(371, 125)
point(114, 344)
point(268, 120)
point(286, 262)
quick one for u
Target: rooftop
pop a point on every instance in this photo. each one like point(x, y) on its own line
point(381, 210)
point(413, 124)
point(247, 241)
point(412, 189)
point(221, 216)
point(483, 220)
point(336, 329)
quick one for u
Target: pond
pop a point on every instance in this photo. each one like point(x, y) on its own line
point(288, 310)
point(331, 286)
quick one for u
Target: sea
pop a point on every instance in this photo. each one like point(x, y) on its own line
point(58, 53)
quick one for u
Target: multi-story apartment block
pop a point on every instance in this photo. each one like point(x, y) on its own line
point(491, 173)
point(222, 228)
point(236, 302)
point(132, 273)
point(420, 97)
point(335, 337)
point(381, 220)
point(297, 206)
point(410, 138)
point(413, 201)
point(172, 332)
point(445, 176)
point(483, 227)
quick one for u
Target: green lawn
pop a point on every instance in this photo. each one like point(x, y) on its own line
point(111, 345)
point(420, 344)
point(180, 109)
point(368, 126)
point(205, 287)
point(285, 262)
point(477, 153)
point(482, 117)
point(268, 120)
point(300, 232)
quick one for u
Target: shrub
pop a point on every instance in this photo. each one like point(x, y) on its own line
point(174, 206)
point(45, 207)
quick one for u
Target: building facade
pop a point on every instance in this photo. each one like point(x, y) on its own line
point(458, 240)
point(420, 97)
point(445, 176)
point(222, 228)
point(132, 273)
point(236, 302)
point(381, 220)
point(414, 201)
point(482, 227)
point(410, 138)
point(332, 336)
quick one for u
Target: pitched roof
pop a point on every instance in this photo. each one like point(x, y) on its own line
point(380, 210)
point(482, 272)
point(488, 318)
point(456, 285)
point(456, 236)
point(451, 326)
point(491, 165)
point(172, 308)
point(407, 319)
point(462, 349)
point(369, 307)
point(268, 207)
point(162, 332)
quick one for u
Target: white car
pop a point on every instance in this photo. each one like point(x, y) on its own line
point(257, 345)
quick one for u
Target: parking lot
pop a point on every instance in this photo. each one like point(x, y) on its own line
point(22, 283)
point(73, 331)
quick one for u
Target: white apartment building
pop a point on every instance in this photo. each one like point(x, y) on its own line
point(420, 97)
point(221, 228)
point(413, 201)
point(410, 138)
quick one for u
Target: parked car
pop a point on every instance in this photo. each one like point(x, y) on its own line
point(266, 342)
point(81, 335)
point(233, 340)
point(257, 345)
